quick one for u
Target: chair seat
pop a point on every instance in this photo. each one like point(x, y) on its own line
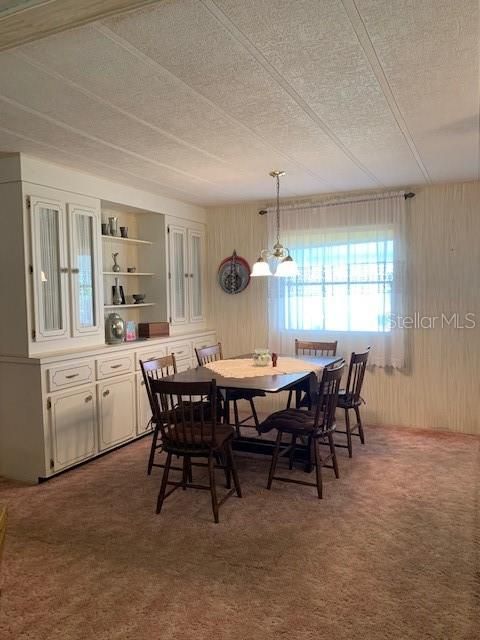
point(190, 438)
point(347, 400)
point(293, 421)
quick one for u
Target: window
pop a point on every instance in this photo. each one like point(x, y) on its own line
point(345, 282)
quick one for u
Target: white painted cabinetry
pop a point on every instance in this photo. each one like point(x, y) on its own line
point(65, 267)
point(116, 402)
point(186, 253)
point(73, 426)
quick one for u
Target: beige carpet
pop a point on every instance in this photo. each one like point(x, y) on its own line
point(392, 552)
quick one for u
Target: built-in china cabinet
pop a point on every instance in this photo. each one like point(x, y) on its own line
point(65, 395)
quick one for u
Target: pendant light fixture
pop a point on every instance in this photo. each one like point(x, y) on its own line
point(286, 267)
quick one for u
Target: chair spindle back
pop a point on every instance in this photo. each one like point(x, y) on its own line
point(315, 348)
point(155, 369)
point(328, 397)
point(356, 373)
point(185, 422)
point(209, 354)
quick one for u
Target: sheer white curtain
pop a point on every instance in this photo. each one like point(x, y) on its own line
point(351, 287)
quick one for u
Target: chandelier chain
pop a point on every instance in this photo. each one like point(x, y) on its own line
point(278, 208)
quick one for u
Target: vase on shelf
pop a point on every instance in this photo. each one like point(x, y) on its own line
point(117, 294)
point(114, 328)
point(116, 266)
point(113, 224)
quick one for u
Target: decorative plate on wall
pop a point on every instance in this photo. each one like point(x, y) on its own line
point(234, 274)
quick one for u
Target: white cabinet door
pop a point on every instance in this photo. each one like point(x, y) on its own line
point(116, 401)
point(144, 412)
point(50, 269)
point(73, 421)
point(87, 294)
point(178, 274)
point(196, 240)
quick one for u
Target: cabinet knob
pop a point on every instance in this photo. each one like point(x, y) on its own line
point(106, 393)
point(142, 383)
point(63, 270)
point(75, 270)
point(191, 275)
point(186, 275)
point(88, 398)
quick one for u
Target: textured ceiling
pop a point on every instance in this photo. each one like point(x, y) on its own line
point(200, 99)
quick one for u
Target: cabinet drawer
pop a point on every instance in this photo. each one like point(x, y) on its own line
point(182, 350)
point(108, 367)
point(70, 374)
point(147, 354)
point(184, 364)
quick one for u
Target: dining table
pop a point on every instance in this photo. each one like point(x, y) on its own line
point(298, 373)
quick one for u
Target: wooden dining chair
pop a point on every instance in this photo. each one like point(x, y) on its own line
point(190, 430)
point(155, 369)
point(206, 355)
point(308, 348)
point(350, 398)
point(312, 425)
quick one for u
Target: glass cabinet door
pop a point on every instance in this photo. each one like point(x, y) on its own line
point(84, 225)
point(178, 275)
point(50, 269)
point(195, 245)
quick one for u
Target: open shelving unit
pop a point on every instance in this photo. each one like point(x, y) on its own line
point(148, 257)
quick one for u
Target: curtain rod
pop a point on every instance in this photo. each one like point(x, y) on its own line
point(334, 203)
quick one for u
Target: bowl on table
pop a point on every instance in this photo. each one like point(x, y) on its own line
point(138, 297)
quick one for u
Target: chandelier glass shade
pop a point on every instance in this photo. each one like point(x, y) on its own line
point(279, 256)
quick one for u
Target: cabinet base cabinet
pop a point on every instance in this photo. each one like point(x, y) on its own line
point(73, 420)
point(116, 411)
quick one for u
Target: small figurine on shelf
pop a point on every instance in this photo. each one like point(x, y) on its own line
point(116, 267)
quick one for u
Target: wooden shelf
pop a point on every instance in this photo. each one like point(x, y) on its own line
point(127, 273)
point(120, 239)
point(129, 306)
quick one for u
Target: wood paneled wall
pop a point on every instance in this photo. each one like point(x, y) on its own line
point(441, 386)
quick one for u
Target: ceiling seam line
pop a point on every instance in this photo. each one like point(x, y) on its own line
point(363, 36)
point(12, 132)
point(80, 132)
point(90, 94)
point(125, 44)
point(242, 39)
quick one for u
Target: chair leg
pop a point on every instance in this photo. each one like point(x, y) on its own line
point(233, 468)
point(360, 425)
point(153, 448)
point(273, 465)
point(289, 401)
point(237, 420)
point(163, 487)
point(213, 491)
point(331, 442)
point(318, 468)
point(221, 460)
point(349, 433)
point(186, 466)
point(254, 414)
point(292, 452)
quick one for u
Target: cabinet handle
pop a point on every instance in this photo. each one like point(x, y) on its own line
point(115, 366)
point(75, 270)
point(106, 393)
point(142, 383)
point(63, 270)
point(72, 375)
point(186, 275)
point(88, 398)
point(191, 275)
